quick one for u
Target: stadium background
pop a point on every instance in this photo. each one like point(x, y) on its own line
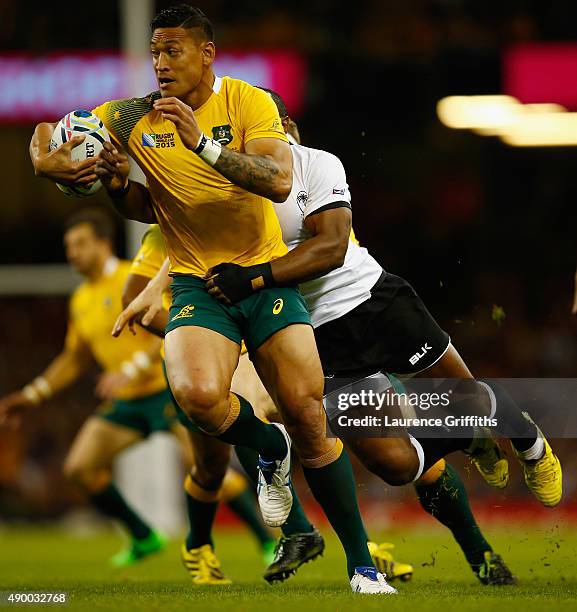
point(474, 224)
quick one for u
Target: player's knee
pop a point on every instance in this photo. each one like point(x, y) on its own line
point(197, 399)
point(396, 464)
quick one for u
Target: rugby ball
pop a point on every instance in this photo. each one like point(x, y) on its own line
point(80, 122)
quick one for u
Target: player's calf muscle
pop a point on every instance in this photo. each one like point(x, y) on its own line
point(394, 460)
point(306, 425)
point(211, 459)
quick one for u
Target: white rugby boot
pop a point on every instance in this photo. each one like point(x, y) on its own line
point(275, 497)
point(368, 581)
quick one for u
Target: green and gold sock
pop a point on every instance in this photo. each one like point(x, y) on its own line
point(333, 486)
point(447, 501)
point(201, 507)
point(243, 428)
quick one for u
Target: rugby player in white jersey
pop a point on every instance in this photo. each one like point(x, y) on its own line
point(367, 320)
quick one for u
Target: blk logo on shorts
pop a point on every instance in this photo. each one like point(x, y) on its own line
point(185, 311)
point(420, 354)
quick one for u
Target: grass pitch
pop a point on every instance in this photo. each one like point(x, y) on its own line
point(544, 560)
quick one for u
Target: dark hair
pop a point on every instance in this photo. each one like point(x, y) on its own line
point(183, 16)
point(101, 223)
point(281, 106)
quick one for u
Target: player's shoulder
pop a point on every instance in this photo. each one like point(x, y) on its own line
point(311, 159)
point(230, 84)
point(153, 240)
point(242, 92)
point(152, 234)
point(121, 116)
point(81, 294)
point(123, 268)
point(139, 104)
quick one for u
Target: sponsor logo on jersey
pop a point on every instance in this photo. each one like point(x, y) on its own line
point(158, 141)
point(185, 311)
point(302, 199)
point(277, 306)
point(420, 354)
point(338, 191)
point(222, 134)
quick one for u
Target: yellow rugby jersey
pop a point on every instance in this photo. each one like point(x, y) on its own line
point(94, 307)
point(150, 258)
point(204, 218)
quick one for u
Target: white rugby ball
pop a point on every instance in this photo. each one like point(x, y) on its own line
point(80, 122)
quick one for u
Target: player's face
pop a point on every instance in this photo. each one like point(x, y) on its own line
point(84, 250)
point(180, 58)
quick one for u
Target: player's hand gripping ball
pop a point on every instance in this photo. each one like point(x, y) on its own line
point(80, 123)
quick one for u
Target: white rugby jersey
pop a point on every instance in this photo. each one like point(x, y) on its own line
point(319, 179)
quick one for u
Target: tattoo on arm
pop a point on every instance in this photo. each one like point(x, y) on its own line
point(255, 173)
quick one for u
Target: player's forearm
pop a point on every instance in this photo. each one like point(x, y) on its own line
point(39, 146)
point(161, 282)
point(311, 259)
point(135, 284)
point(157, 325)
point(259, 174)
point(134, 202)
point(59, 375)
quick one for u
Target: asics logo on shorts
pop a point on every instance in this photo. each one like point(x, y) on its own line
point(277, 306)
point(185, 311)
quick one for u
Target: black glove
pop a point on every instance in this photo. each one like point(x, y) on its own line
point(231, 283)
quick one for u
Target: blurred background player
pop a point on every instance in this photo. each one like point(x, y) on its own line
point(136, 401)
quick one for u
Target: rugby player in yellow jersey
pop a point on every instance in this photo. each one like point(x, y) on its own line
point(135, 398)
point(214, 155)
point(209, 480)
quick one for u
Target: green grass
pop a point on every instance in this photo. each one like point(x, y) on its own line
point(545, 562)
